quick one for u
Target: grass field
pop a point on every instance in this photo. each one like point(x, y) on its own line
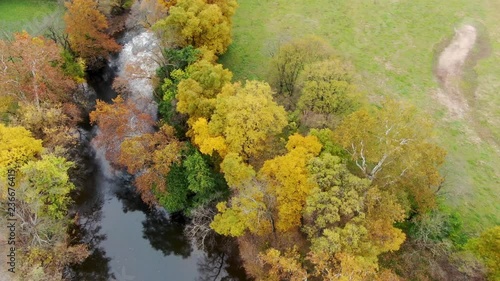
point(393, 46)
point(29, 15)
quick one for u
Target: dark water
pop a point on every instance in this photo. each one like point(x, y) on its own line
point(131, 242)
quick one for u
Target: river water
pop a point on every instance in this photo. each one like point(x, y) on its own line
point(128, 240)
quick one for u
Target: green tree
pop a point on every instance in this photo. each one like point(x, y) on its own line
point(348, 222)
point(46, 186)
point(487, 247)
point(326, 91)
point(291, 58)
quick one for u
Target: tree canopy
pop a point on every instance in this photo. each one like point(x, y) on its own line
point(198, 23)
point(86, 27)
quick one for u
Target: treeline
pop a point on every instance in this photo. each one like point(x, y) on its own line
point(315, 182)
point(318, 184)
point(42, 99)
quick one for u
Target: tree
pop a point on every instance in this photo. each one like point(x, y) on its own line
point(197, 94)
point(51, 122)
point(46, 186)
point(274, 200)
point(393, 147)
point(198, 23)
point(242, 122)
point(487, 247)
point(348, 222)
point(17, 146)
point(118, 121)
point(284, 266)
point(326, 90)
point(291, 58)
point(251, 209)
point(150, 157)
point(288, 179)
point(32, 70)
point(86, 27)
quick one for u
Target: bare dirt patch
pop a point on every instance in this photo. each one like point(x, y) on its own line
point(449, 70)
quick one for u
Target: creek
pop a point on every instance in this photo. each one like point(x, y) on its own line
point(128, 240)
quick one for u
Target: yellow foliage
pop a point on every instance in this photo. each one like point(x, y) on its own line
point(204, 141)
point(288, 179)
point(235, 171)
point(17, 146)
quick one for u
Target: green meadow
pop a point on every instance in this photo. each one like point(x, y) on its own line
point(393, 46)
point(30, 15)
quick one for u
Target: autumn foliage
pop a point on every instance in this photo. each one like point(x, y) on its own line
point(86, 27)
point(118, 121)
point(150, 156)
point(31, 70)
point(200, 23)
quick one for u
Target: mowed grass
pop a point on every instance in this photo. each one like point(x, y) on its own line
point(29, 15)
point(393, 45)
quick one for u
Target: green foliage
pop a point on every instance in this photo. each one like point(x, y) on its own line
point(200, 177)
point(196, 94)
point(176, 59)
point(487, 247)
point(326, 137)
point(73, 67)
point(437, 226)
point(47, 186)
point(191, 183)
point(176, 198)
point(291, 58)
point(327, 93)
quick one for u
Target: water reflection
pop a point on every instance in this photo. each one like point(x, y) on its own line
point(127, 238)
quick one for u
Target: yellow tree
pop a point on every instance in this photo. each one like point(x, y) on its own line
point(348, 222)
point(17, 146)
point(86, 27)
point(274, 201)
point(197, 94)
point(198, 23)
point(393, 147)
point(288, 179)
point(244, 121)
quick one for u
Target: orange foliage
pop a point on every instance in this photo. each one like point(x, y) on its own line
point(150, 157)
point(86, 27)
point(31, 70)
point(118, 121)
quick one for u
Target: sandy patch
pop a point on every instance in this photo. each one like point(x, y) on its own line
point(449, 70)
